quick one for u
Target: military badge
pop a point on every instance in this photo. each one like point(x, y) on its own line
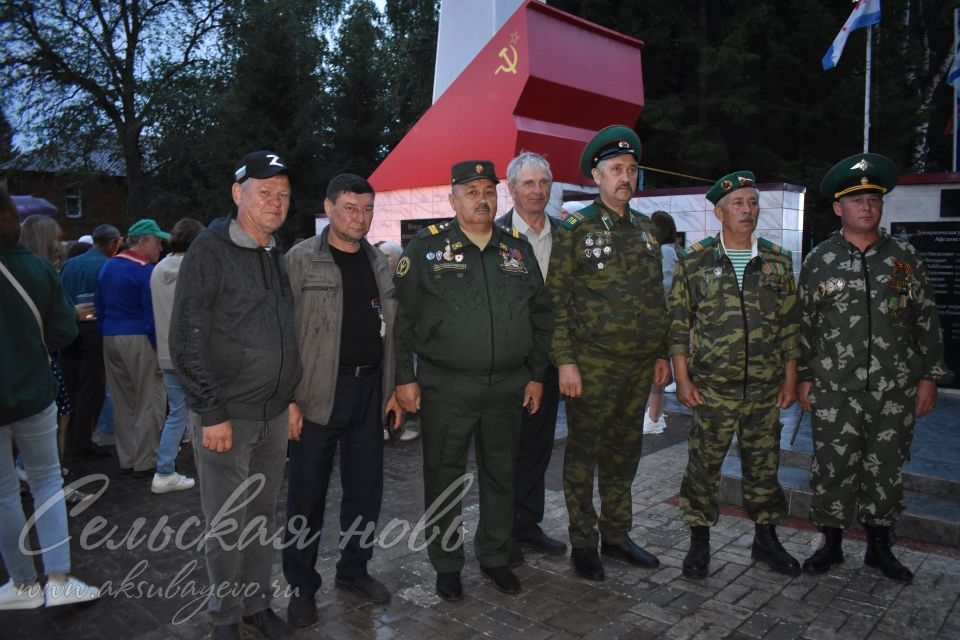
point(600, 265)
point(429, 255)
point(597, 252)
point(512, 261)
point(607, 250)
point(403, 266)
point(588, 240)
point(458, 257)
point(717, 271)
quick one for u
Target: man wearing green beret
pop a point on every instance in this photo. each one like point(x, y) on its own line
point(872, 358)
point(736, 293)
point(609, 344)
point(473, 307)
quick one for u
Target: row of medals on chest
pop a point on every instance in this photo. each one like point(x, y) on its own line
point(597, 246)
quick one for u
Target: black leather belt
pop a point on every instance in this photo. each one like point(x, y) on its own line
point(360, 371)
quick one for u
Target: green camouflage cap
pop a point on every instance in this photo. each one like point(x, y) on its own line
point(870, 172)
point(730, 183)
point(610, 142)
point(470, 170)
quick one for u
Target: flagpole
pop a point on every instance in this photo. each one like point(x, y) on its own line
point(866, 92)
point(956, 46)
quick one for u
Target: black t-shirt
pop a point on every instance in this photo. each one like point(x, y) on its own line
point(360, 341)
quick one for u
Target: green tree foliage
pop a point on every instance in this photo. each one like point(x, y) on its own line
point(90, 76)
point(731, 85)
point(7, 150)
point(411, 47)
point(264, 94)
point(355, 96)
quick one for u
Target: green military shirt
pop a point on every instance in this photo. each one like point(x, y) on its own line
point(868, 319)
point(741, 338)
point(481, 313)
point(606, 285)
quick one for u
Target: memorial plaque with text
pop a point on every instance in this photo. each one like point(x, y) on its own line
point(939, 244)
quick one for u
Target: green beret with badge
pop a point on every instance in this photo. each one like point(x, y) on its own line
point(869, 172)
point(610, 142)
point(470, 170)
point(730, 183)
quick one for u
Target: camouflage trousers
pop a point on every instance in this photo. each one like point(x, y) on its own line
point(604, 432)
point(860, 442)
point(757, 425)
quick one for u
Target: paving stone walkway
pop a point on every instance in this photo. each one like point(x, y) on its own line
point(738, 600)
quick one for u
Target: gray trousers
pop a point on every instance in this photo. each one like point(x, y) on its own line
point(240, 573)
point(139, 399)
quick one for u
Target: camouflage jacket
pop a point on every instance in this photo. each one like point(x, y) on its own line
point(479, 313)
point(873, 308)
point(741, 338)
point(606, 286)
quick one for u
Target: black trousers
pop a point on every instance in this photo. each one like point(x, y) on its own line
point(355, 427)
point(533, 456)
point(85, 377)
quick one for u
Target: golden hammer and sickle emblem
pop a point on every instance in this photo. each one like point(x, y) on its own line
point(510, 65)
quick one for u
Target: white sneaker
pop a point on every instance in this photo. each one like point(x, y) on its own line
point(671, 388)
point(172, 482)
point(13, 597)
point(102, 439)
point(649, 426)
point(407, 436)
point(72, 591)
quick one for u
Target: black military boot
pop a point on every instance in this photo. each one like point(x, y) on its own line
point(696, 564)
point(878, 556)
point(767, 549)
point(829, 554)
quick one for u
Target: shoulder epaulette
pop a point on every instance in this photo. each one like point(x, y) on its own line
point(433, 230)
point(510, 231)
point(573, 220)
point(697, 247)
point(771, 247)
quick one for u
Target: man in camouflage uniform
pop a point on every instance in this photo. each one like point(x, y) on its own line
point(736, 292)
point(609, 343)
point(473, 307)
point(872, 358)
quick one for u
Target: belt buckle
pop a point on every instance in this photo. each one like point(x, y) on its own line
point(357, 371)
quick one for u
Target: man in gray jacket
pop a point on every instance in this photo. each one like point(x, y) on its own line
point(344, 309)
point(234, 349)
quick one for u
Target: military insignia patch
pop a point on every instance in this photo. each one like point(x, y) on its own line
point(512, 261)
point(403, 266)
point(863, 165)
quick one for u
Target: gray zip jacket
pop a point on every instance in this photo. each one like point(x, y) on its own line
point(318, 315)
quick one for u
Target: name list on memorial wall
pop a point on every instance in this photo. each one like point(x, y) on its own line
point(939, 244)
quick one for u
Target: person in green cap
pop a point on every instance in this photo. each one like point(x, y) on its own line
point(125, 318)
point(872, 355)
point(609, 344)
point(473, 307)
point(736, 293)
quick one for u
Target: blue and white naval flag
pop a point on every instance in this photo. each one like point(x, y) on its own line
point(953, 76)
point(865, 13)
